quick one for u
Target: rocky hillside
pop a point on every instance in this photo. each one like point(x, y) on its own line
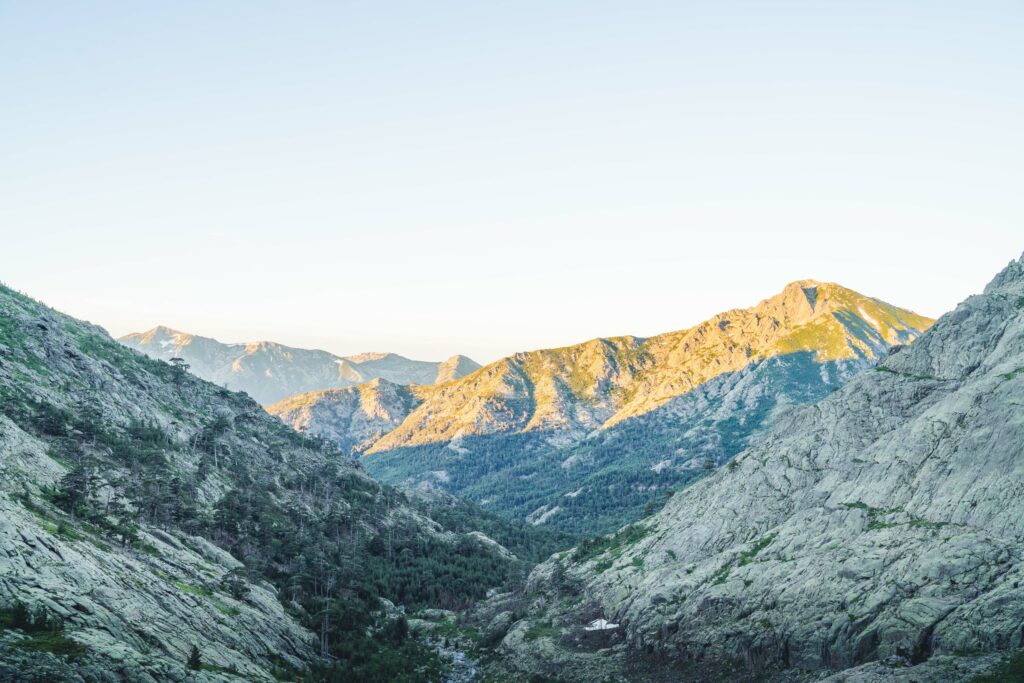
point(269, 372)
point(353, 418)
point(585, 437)
point(146, 513)
point(883, 524)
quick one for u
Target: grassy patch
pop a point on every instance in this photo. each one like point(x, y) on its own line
point(1013, 373)
point(879, 524)
point(224, 608)
point(874, 514)
point(56, 643)
point(748, 555)
point(44, 633)
point(1010, 671)
point(926, 524)
point(614, 544)
point(542, 630)
point(721, 575)
point(189, 588)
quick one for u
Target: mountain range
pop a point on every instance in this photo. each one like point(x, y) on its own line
point(585, 437)
point(833, 487)
point(269, 371)
point(878, 533)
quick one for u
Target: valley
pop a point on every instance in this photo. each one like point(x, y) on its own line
point(787, 492)
point(587, 438)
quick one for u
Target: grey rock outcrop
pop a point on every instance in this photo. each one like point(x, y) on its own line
point(884, 522)
point(124, 482)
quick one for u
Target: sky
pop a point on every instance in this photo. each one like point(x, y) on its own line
point(433, 178)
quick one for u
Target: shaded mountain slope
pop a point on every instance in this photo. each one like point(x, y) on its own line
point(884, 523)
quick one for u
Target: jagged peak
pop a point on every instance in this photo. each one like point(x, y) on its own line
point(809, 298)
point(1009, 280)
point(159, 332)
point(458, 358)
point(378, 383)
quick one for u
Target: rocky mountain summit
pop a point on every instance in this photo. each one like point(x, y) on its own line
point(147, 516)
point(269, 372)
point(585, 437)
point(878, 533)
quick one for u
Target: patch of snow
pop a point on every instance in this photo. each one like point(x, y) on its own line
point(573, 494)
point(440, 475)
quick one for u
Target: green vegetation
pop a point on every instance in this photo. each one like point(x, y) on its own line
point(43, 632)
point(875, 514)
point(1010, 671)
point(541, 629)
point(612, 545)
point(195, 661)
point(1013, 373)
point(721, 575)
point(194, 590)
point(823, 336)
point(747, 556)
point(332, 540)
point(926, 524)
point(623, 474)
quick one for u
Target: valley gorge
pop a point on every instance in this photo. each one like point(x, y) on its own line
point(821, 487)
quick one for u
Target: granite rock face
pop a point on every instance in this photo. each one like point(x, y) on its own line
point(883, 523)
point(353, 418)
point(120, 481)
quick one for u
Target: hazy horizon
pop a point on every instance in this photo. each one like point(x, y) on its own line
point(485, 361)
point(484, 179)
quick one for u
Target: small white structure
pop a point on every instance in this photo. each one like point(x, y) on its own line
point(600, 625)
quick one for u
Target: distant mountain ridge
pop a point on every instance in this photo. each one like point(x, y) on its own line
point(269, 371)
point(527, 434)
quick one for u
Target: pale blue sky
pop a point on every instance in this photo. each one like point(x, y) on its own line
point(487, 177)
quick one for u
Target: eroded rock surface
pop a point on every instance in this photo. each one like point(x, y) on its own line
point(886, 521)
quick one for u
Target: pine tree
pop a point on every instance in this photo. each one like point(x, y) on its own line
point(195, 661)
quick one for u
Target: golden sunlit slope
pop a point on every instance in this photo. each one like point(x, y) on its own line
point(578, 389)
